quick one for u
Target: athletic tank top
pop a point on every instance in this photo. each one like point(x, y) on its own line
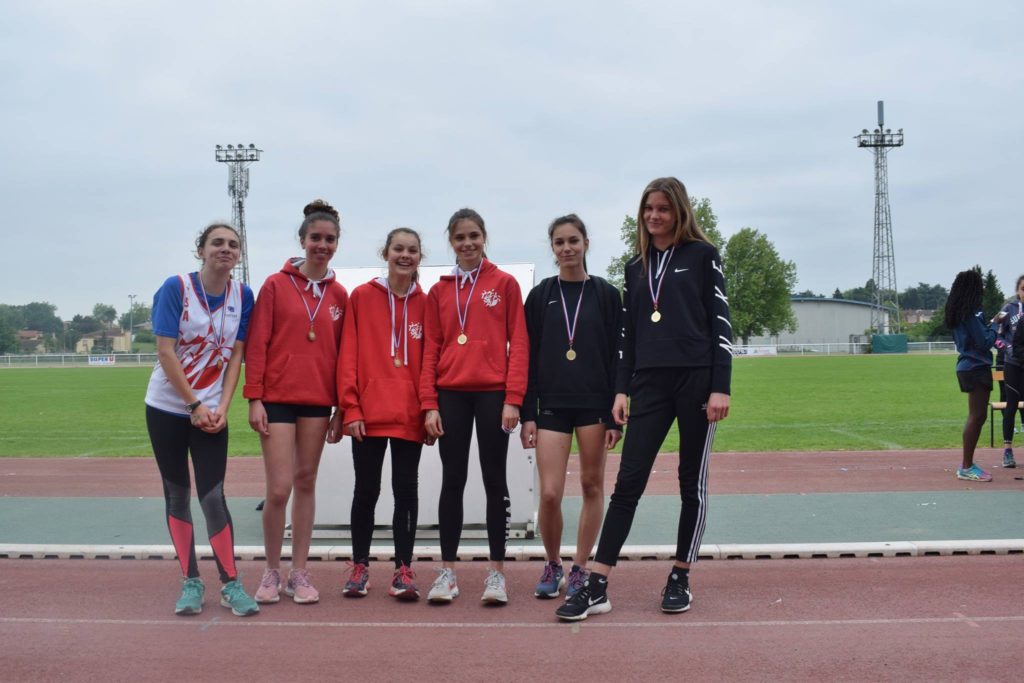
point(205, 340)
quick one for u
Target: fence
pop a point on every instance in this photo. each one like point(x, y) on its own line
point(77, 360)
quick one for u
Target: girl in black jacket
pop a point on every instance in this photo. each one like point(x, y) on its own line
point(573, 321)
point(675, 366)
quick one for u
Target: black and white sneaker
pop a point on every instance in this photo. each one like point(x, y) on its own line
point(585, 602)
point(676, 596)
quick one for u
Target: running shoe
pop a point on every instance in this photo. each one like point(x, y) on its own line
point(444, 589)
point(403, 584)
point(676, 596)
point(233, 595)
point(269, 591)
point(577, 575)
point(494, 588)
point(358, 584)
point(1008, 461)
point(587, 600)
point(551, 581)
point(973, 473)
point(300, 587)
point(191, 600)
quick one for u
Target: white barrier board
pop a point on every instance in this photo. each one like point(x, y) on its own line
point(336, 480)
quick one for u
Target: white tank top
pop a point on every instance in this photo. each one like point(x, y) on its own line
point(205, 340)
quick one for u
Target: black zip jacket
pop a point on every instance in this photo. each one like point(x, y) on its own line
point(589, 380)
point(694, 330)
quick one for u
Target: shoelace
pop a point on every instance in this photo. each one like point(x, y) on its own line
point(494, 580)
point(549, 573)
point(406, 575)
point(674, 588)
point(192, 588)
point(444, 577)
point(358, 569)
point(576, 580)
point(300, 577)
point(234, 590)
point(271, 579)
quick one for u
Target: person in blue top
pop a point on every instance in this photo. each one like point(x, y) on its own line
point(1008, 321)
point(974, 341)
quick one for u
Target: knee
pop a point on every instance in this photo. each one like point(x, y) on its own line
point(277, 496)
point(305, 481)
point(550, 498)
point(592, 487)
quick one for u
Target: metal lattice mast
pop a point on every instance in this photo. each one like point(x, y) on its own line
point(885, 314)
point(239, 158)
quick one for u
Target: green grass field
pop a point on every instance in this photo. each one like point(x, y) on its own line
point(779, 404)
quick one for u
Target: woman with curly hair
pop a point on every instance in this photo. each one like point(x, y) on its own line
point(974, 340)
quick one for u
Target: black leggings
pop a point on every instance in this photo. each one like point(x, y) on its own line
point(1013, 390)
point(173, 437)
point(659, 397)
point(368, 459)
point(458, 411)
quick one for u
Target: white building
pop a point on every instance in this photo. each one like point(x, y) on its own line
point(823, 321)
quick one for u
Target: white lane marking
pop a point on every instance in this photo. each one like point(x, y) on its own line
point(260, 623)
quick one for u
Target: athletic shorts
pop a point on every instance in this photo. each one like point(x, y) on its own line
point(979, 378)
point(289, 412)
point(565, 420)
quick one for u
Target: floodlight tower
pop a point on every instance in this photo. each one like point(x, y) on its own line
point(239, 158)
point(883, 270)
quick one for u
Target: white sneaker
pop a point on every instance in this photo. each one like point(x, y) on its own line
point(444, 588)
point(494, 588)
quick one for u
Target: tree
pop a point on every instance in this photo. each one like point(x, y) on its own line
point(139, 313)
point(837, 294)
point(8, 330)
point(759, 283)
point(992, 298)
point(808, 294)
point(41, 316)
point(706, 219)
point(105, 313)
point(923, 296)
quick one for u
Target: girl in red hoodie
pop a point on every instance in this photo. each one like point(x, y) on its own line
point(475, 362)
point(378, 389)
point(290, 364)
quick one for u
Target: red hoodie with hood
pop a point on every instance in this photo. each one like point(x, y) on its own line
point(282, 365)
point(496, 354)
point(371, 387)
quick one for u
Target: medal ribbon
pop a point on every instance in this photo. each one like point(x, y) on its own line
point(396, 339)
point(662, 264)
point(312, 315)
point(571, 329)
point(473, 276)
point(223, 311)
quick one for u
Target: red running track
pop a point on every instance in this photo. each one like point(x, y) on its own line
point(942, 618)
point(762, 473)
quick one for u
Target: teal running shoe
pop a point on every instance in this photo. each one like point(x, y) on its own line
point(551, 581)
point(233, 595)
point(191, 600)
point(973, 473)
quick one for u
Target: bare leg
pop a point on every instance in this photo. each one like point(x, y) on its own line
point(278, 463)
point(309, 445)
point(552, 460)
point(977, 405)
point(591, 443)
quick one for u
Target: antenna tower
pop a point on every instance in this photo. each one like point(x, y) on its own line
point(239, 158)
point(885, 315)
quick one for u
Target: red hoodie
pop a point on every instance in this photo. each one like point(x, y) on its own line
point(282, 365)
point(496, 354)
point(370, 387)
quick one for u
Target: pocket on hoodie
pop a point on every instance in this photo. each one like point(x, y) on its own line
point(390, 401)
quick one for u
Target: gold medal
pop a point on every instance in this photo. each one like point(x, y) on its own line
point(656, 316)
point(462, 338)
point(398, 362)
point(220, 363)
point(311, 335)
point(570, 354)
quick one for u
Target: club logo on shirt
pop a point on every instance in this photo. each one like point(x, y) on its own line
point(335, 311)
point(491, 298)
point(416, 330)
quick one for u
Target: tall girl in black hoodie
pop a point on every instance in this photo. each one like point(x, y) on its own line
point(675, 366)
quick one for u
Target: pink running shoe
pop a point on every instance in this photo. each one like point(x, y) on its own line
point(269, 591)
point(300, 588)
point(403, 585)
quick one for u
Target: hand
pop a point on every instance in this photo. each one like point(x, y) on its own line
point(430, 440)
point(509, 418)
point(999, 317)
point(528, 436)
point(219, 421)
point(357, 428)
point(334, 433)
point(612, 437)
point(718, 407)
point(620, 409)
point(432, 423)
point(202, 418)
point(258, 418)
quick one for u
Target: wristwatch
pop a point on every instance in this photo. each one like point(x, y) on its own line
point(189, 407)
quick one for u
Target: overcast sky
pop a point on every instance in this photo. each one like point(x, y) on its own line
point(399, 113)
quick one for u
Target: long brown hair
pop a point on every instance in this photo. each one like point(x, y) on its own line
point(686, 228)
